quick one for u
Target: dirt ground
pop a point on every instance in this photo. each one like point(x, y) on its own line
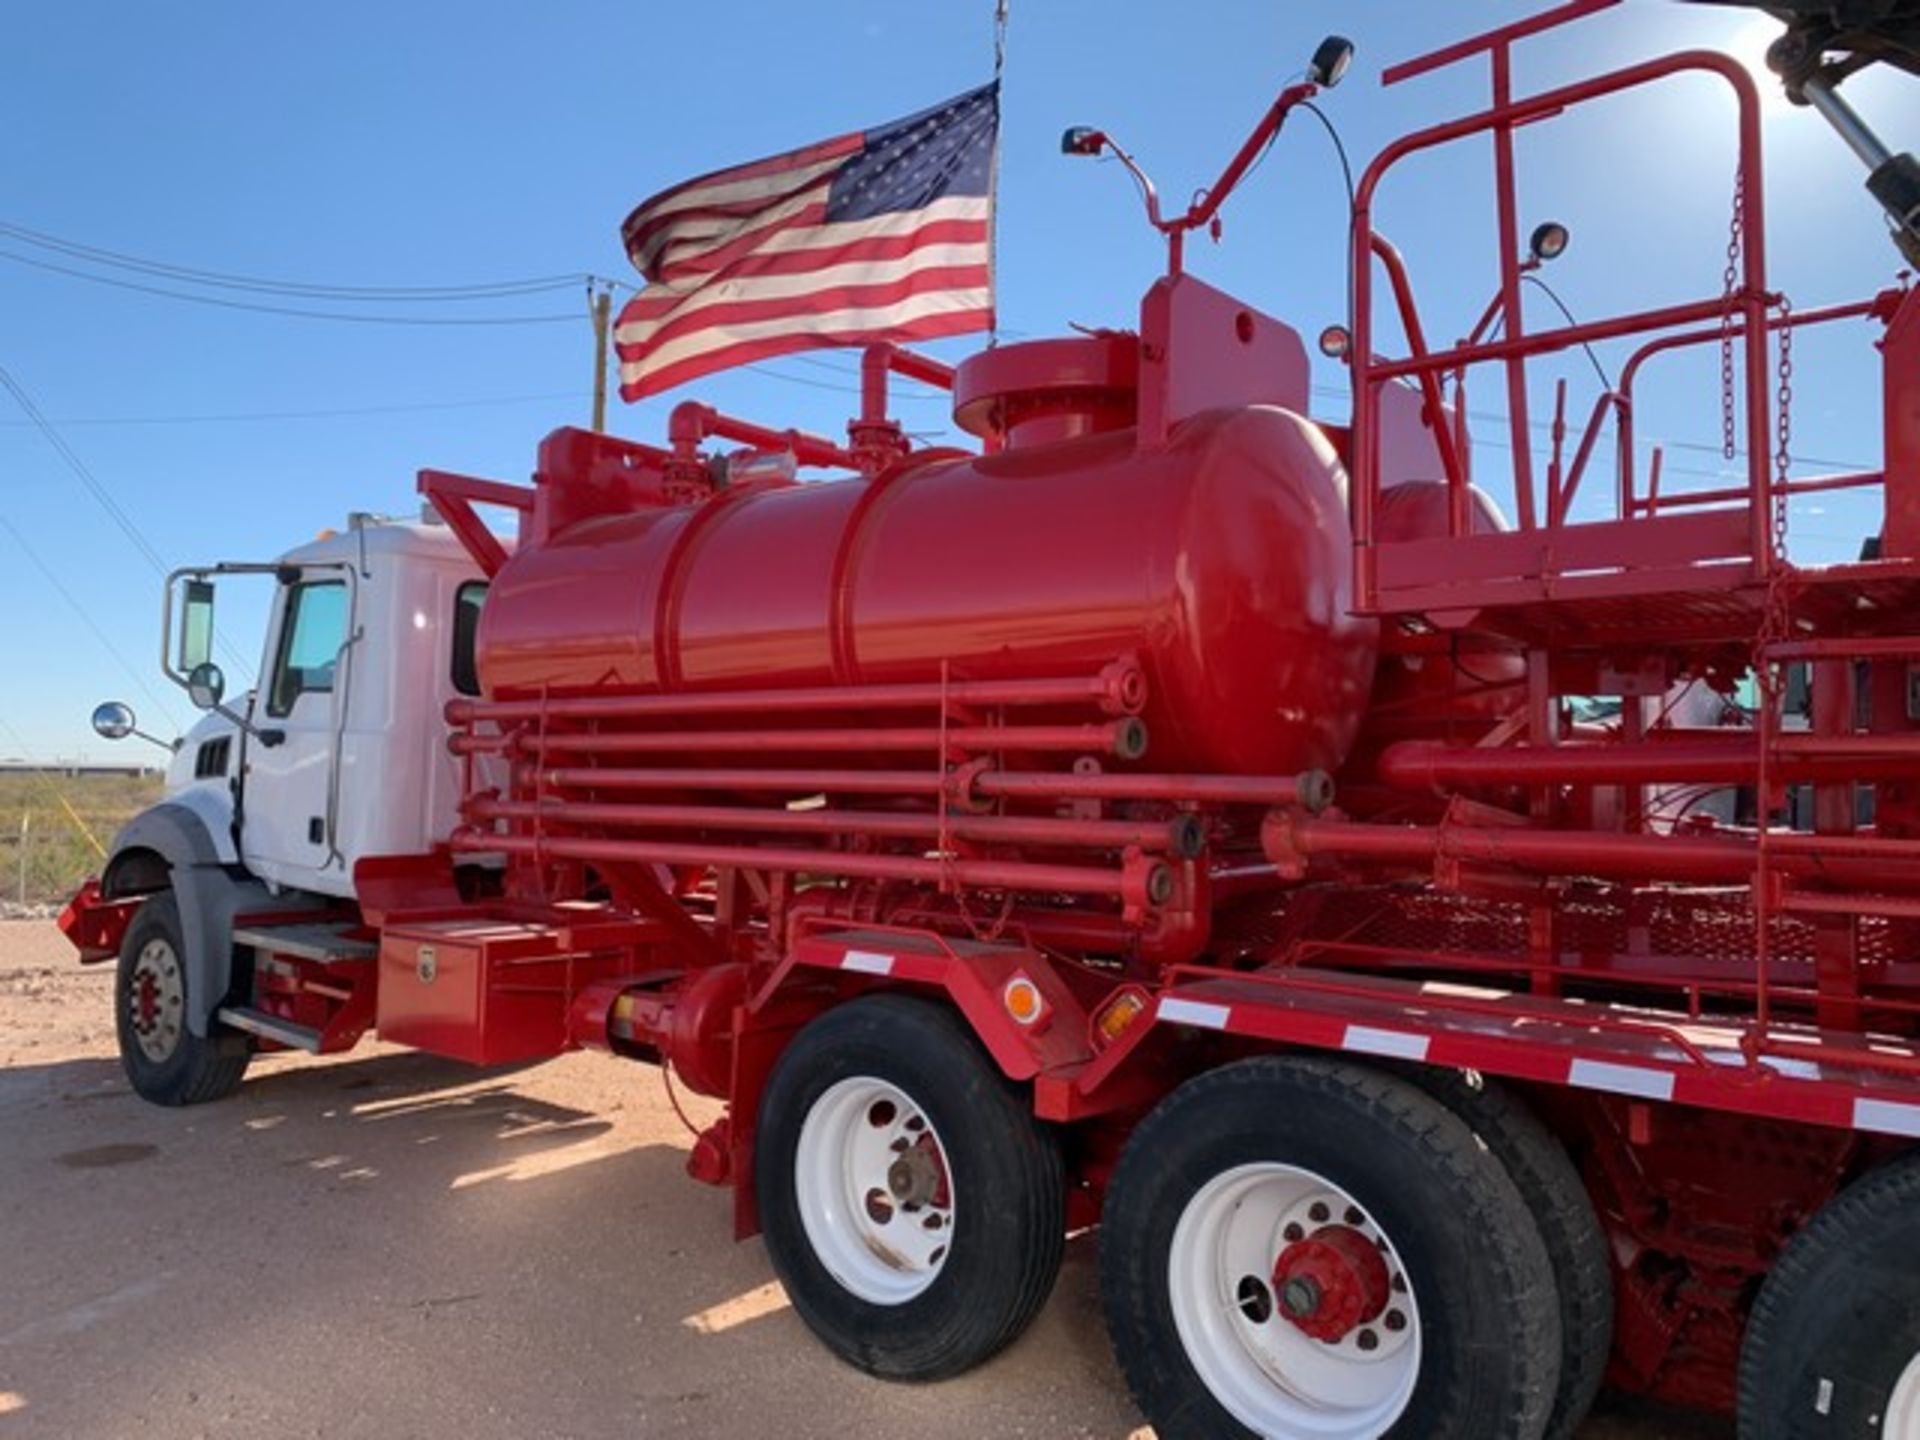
point(388, 1245)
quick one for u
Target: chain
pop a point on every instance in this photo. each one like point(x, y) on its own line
point(1783, 431)
point(1730, 286)
point(1776, 619)
point(1776, 624)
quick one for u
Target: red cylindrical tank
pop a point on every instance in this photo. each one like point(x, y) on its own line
point(1429, 691)
point(1220, 560)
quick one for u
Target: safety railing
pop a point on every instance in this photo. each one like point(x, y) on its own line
point(1449, 570)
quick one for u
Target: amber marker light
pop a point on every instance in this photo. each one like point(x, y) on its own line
point(1023, 1000)
point(1116, 1017)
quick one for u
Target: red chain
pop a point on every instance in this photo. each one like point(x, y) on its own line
point(1776, 623)
point(1730, 289)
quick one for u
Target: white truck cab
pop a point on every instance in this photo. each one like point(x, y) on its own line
point(340, 751)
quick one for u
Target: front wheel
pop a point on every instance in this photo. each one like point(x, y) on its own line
point(1297, 1247)
point(1833, 1345)
point(913, 1206)
point(164, 1060)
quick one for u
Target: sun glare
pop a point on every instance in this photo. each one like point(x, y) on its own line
point(1748, 45)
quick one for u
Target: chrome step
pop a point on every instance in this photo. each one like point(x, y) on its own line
point(270, 1027)
point(327, 944)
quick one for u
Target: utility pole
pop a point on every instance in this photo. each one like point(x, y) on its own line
point(26, 841)
point(602, 315)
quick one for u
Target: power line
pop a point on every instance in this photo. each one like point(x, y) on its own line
point(60, 589)
point(243, 416)
point(286, 310)
point(829, 385)
point(312, 290)
point(100, 493)
point(80, 470)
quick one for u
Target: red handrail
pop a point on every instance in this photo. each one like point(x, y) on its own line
point(1515, 348)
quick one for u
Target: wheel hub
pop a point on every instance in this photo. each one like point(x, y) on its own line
point(1292, 1304)
point(156, 1001)
point(874, 1192)
point(1331, 1282)
point(914, 1179)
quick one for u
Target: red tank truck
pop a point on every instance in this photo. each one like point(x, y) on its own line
point(966, 826)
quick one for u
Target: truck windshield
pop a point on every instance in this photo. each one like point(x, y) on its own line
point(310, 638)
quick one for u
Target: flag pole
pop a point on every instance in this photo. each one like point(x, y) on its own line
point(602, 307)
point(993, 172)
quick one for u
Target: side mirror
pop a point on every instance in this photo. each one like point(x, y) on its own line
point(1335, 342)
point(196, 626)
point(113, 720)
point(205, 685)
point(1330, 61)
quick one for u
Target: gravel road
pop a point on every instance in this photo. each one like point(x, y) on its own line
point(388, 1245)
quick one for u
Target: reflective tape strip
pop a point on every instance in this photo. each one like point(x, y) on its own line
point(1395, 1044)
point(1194, 1012)
point(1785, 1065)
point(1887, 1117)
point(1621, 1079)
point(867, 962)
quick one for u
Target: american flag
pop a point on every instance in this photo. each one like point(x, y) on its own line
point(879, 235)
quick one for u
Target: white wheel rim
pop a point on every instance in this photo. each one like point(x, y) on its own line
point(1268, 1372)
point(156, 1000)
point(875, 1191)
point(1903, 1410)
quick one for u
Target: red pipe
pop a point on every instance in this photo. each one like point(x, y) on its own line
point(1898, 745)
point(1119, 689)
point(1125, 739)
point(1183, 836)
point(1844, 647)
point(1291, 840)
point(793, 782)
point(1451, 468)
point(1310, 791)
point(692, 422)
point(876, 361)
point(1430, 764)
point(1139, 881)
point(1905, 907)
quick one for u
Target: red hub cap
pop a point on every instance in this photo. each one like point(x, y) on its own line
point(1330, 1282)
point(146, 1002)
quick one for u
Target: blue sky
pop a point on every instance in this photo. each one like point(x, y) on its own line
point(428, 144)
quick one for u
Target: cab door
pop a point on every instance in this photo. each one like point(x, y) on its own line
point(297, 714)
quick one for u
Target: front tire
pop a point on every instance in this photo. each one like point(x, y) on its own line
point(913, 1206)
point(1298, 1247)
point(164, 1060)
point(1832, 1350)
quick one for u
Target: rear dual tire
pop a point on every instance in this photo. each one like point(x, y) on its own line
point(1563, 1213)
point(912, 1205)
point(1255, 1177)
point(1832, 1350)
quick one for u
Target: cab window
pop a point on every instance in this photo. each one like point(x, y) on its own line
point(310, 640)
point(466, 624)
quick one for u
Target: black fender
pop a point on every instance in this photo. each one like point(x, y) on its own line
point(209, 891)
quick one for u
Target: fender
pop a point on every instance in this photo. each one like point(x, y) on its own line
point(196, 858)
